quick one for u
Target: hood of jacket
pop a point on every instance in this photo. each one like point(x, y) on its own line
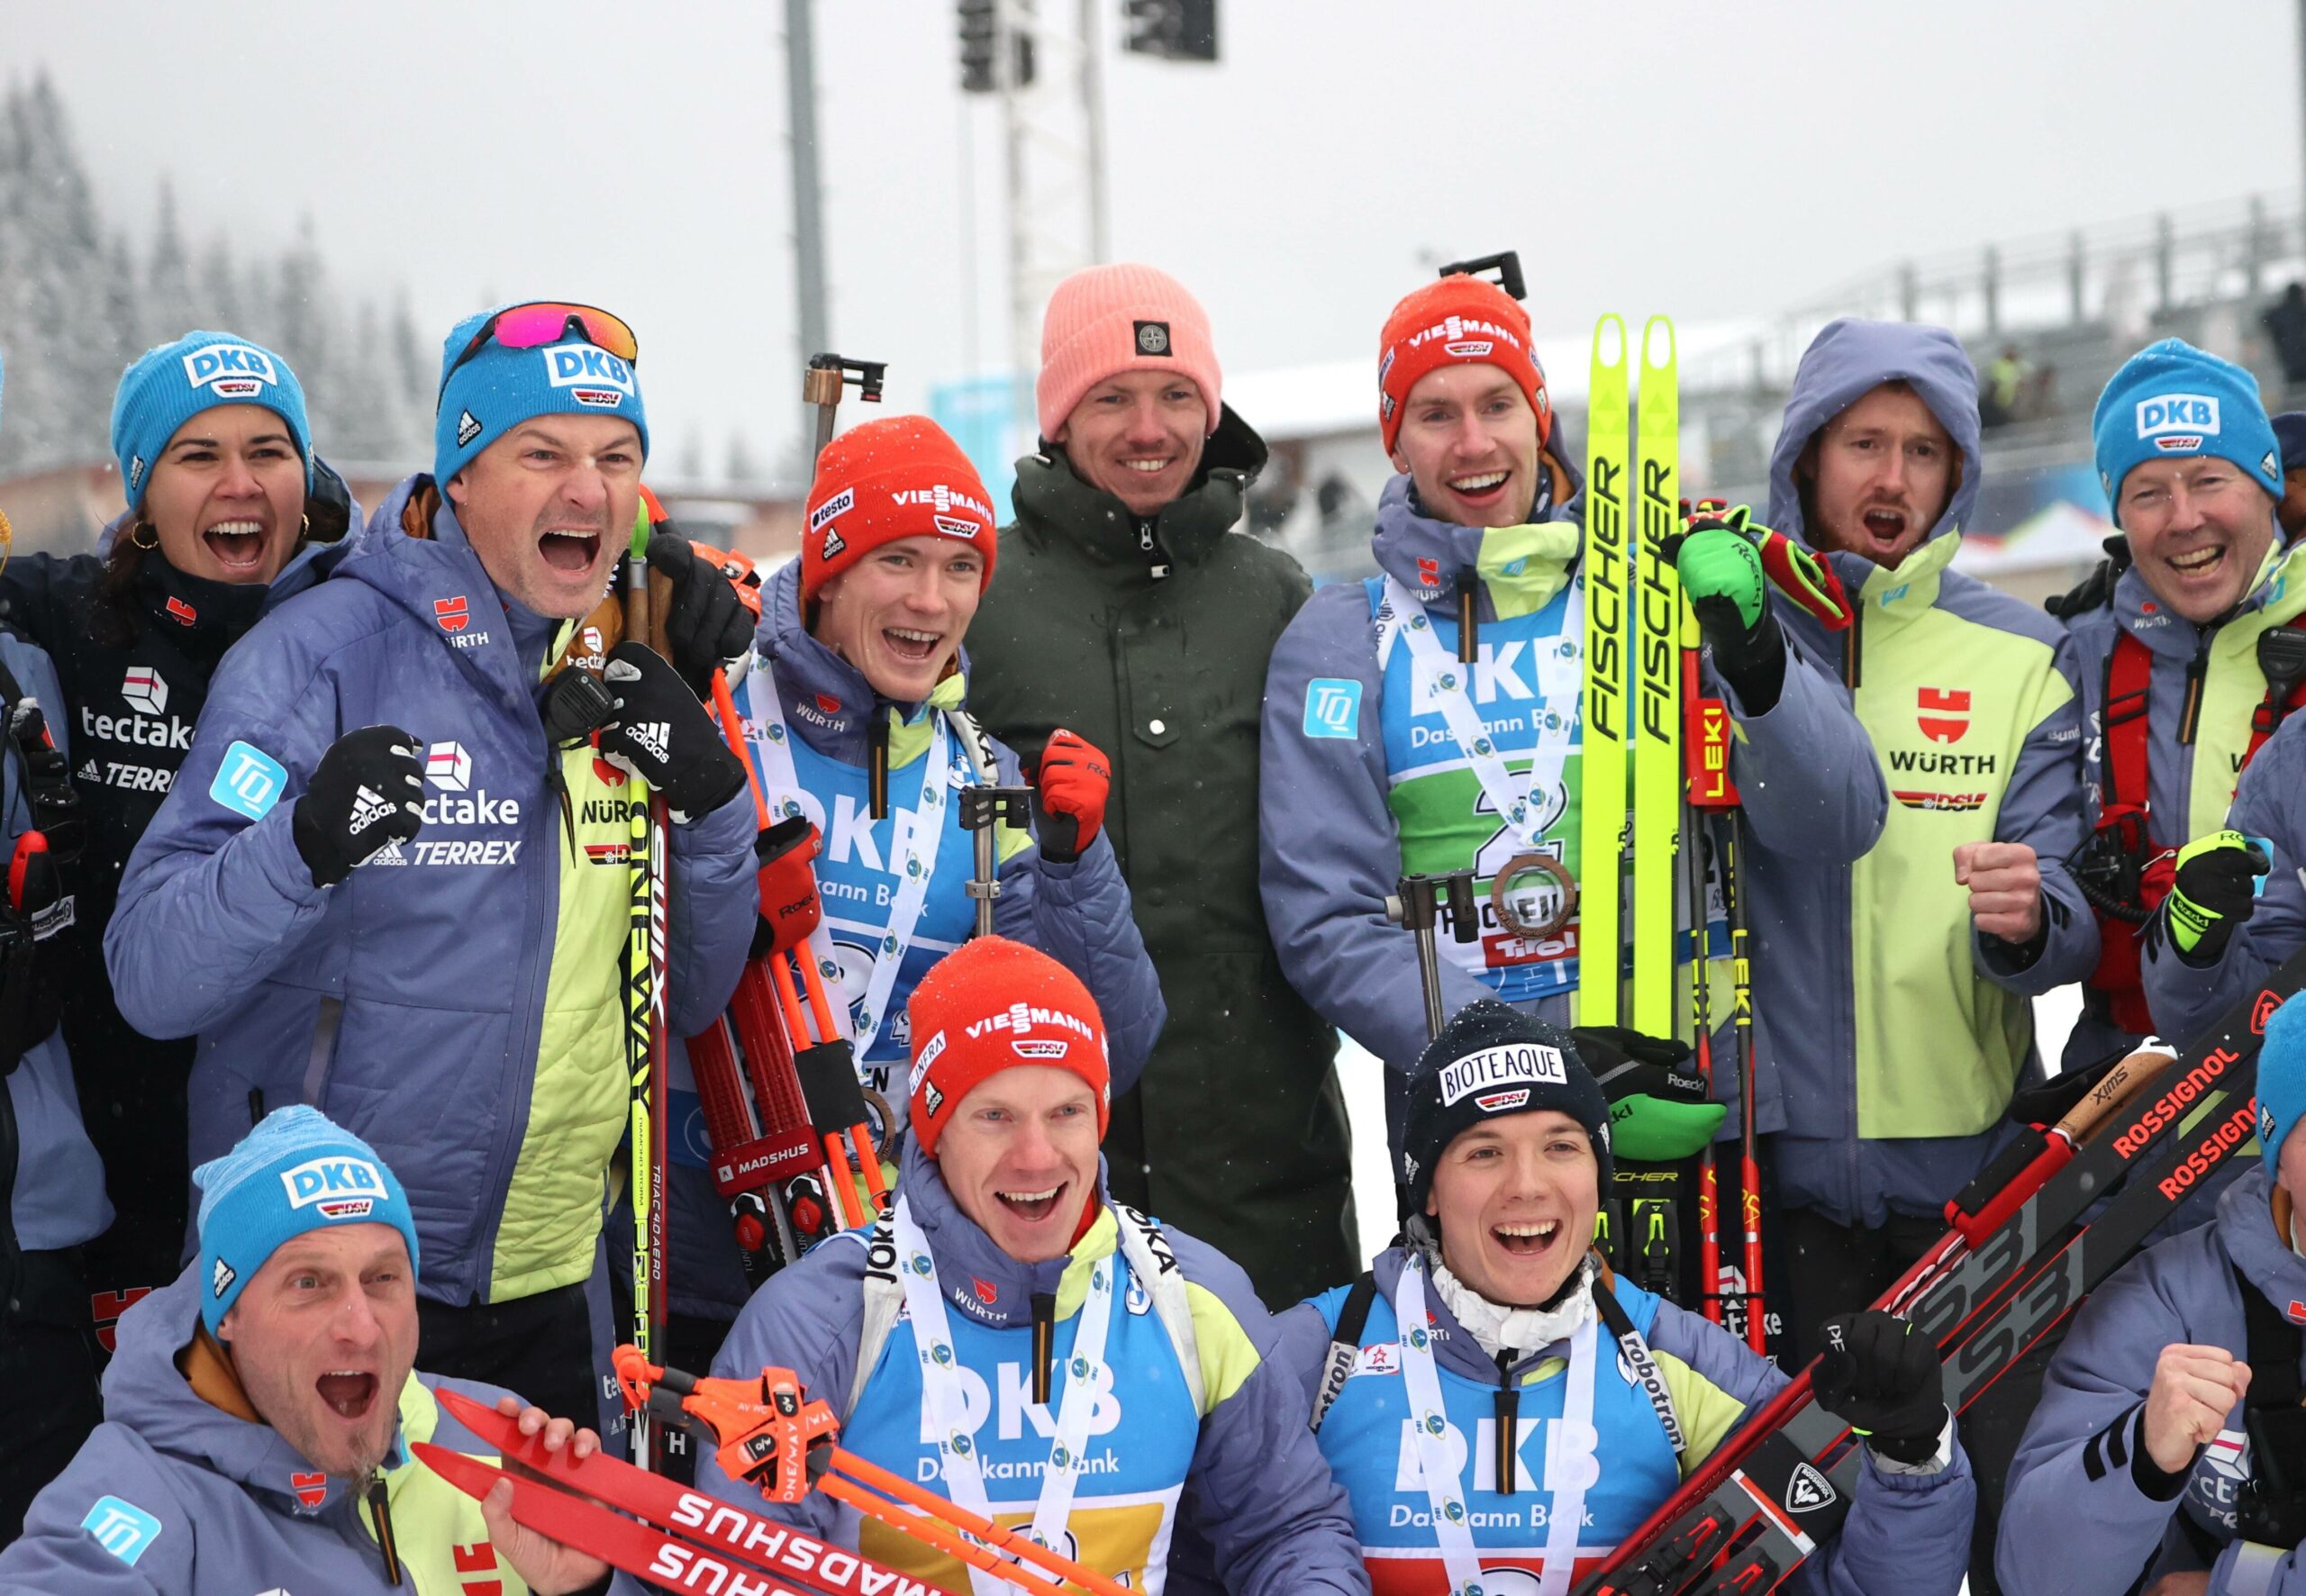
point(1845, 362)
point(145, 1392)
point(828, 702)
point(984, 1283)
point(2245, 1229)
point(1520, 567)
point(1053, 504)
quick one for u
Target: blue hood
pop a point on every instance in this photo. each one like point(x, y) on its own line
point(1845, 362)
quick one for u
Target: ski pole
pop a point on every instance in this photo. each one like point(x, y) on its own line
point(1415, 906)
point(646, 1039)
point(1705, 752)
point(1741, 1008)
point(983, 809)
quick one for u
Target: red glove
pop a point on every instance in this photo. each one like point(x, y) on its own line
point(1069, 792)
point(789, 905)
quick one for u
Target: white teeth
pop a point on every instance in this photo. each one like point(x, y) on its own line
point(910, 636)
point(570, 532)
point(1032, 1196)
point(1477, 485)
point(1149, 467)
point(1547, 1229)
point(237, 528)
point(2201, 559)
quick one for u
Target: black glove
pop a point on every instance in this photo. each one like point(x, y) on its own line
point(1659, 1108)
point(2213, 890)
point(1884, 1382)
point(36, 963)
point(2095, 591)
point(707, 625)
point(366, 794)
point(662, 734)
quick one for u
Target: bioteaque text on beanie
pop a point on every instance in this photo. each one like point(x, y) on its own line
point(1110, 319)
point(1458, 321)
point(993, 1004)
point(1492, 1060)
point(488, 395)
point(168, 385)
point(901, 476)
point(2172, 401)
point(297, 1171)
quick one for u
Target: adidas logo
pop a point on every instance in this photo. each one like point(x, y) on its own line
point(654, 737)
point(368, 807)
point(467, 429)
point(222, 1277)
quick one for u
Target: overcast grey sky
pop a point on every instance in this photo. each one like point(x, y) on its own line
point(1723, 160)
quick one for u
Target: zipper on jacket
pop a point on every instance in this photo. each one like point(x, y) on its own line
point(380, 1509)
point(1849, 649)
point(1468, 617)
point(1044, 1342)
point(2197, 668)
point(1509, 1420)
point(876, 759)
point(1157, 557)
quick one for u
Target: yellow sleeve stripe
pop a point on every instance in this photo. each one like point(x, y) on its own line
point(1707, 1411)
point(1228, 1357)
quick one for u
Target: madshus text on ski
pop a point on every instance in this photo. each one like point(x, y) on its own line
point(546, 1056)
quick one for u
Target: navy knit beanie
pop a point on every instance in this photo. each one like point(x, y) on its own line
point(1492, 1060)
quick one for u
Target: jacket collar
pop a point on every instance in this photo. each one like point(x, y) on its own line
point(2280, 592)
point(1053, 504)
point(1454, 1346)
point(828, 702)
point(1521, 567)
point(1907, 588)
point(2245, 1228)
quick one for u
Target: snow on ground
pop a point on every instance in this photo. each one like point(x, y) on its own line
point(1365, 1103)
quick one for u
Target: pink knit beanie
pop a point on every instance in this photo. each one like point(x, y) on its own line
point(1110, 319)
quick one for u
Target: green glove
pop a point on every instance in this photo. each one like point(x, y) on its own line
point(2214, 889)
point(1659, 1110)
point(1718, 553)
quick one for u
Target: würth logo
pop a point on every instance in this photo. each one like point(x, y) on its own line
point(1943, 714)
point(452, 613)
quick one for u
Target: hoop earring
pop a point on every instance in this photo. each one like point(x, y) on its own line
point(136, 535)
point(303, 527)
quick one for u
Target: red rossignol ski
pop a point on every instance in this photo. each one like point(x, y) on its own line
point(1986, 1294)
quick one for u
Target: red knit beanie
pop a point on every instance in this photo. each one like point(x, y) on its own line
point(987, 1006)
point(902, 477)
point(1110, 319)
point(1459, 320)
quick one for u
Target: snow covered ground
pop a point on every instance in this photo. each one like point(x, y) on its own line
point(1364, 1103)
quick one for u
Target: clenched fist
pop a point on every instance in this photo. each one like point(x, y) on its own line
point(2194, 1389)
point(2005, 888)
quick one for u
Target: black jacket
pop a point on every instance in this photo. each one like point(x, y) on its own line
point(1150, 639)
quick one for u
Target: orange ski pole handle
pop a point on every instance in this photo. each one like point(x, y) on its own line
point(762, 1429)
point(733, 729)
point(866, 1473)
point(820, 1005)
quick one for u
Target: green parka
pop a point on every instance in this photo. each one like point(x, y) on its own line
point(1151, 638)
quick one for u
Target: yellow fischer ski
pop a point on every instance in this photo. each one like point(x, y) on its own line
point(1657, 720)
point(1609, 657)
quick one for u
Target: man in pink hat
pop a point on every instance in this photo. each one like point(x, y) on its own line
point(1128, 612)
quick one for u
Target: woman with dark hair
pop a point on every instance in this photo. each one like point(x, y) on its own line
point(228, 513)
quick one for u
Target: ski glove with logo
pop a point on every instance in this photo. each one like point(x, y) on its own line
point(790, 908)
point(707, 624)
point(1659, 1107)
point(1884, 1382)
point(662, 734)
point(2215, 889)
point(1069, 792)
point(366, 794)
point(1718, 553)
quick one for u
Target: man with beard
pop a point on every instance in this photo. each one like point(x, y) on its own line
point(391, 880)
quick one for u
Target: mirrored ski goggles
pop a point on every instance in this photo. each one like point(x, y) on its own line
point(534, 325)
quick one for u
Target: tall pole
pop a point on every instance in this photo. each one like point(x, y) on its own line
point(808, 203)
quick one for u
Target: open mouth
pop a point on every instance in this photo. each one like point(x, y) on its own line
point(911, 645)
point(571, 551)
point(349, 1392)
point(1527, 1239)
point(1033, 1207)
point(2199, 562)
point(237, 545)
point(1481, 487)
point(1885, 526)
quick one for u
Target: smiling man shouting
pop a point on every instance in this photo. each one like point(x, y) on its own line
point(390, 880)
point(259, 1412)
